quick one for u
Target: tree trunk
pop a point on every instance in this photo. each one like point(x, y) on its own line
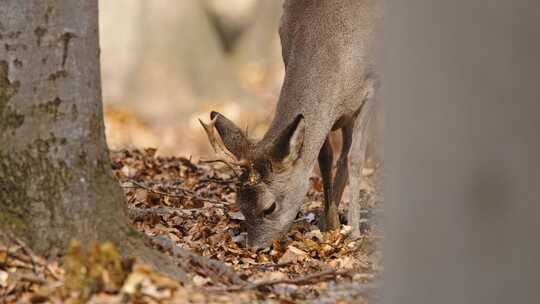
point(182, 64)
point(230, 18)
point(463, 152)
point(55, 178)
point(121, 23)
point(258, 51)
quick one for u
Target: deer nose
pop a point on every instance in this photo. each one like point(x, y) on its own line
point(261, 248)
point(258, 245)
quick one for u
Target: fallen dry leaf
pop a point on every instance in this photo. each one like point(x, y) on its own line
point(292, 255)
point(192, 205)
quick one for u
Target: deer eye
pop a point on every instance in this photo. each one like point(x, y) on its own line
point(270, 209)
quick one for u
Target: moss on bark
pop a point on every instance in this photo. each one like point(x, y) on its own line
point(8, 116)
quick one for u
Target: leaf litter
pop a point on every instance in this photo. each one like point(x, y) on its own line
point(188, 210)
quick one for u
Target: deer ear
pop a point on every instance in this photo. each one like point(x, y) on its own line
point(232, 137)
point(289, 143)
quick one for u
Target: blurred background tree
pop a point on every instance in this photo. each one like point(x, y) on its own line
point(165, 64)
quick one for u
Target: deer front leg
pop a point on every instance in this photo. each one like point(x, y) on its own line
point(330, 218)
point(357, 157)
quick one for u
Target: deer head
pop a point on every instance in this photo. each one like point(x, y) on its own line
point(269, 192)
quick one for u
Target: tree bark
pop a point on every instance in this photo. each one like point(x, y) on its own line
point(55, 178)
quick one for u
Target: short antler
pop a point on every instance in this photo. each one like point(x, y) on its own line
point(219, 148)
point(215, 141)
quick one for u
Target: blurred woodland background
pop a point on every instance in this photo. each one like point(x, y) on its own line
point(167, 63)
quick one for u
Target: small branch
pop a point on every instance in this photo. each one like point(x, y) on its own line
point(217, 267)
point(189, 193)
point(26, 250)
point(29, 257)
point(157, 191)
point(139, 214)
point(267, 266)
point(306, 280)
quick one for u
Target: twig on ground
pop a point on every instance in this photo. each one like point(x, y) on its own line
point(142, 186)
point(26, 250)
point(187, 193)
point(30, 257)
point(216, 267)
point(139, 214)
point(306, 280)
point(267, 266)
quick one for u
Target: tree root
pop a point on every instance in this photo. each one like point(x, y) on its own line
point(216, 269)
point(134, 245)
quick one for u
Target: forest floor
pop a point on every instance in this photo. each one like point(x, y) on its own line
point(188, 211)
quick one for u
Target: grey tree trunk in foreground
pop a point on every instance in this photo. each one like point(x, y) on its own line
point(55, 178)
point(462, 95)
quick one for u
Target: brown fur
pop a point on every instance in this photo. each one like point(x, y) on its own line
point(327, 50)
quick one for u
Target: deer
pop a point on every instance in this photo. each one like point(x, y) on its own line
point(329, 85)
